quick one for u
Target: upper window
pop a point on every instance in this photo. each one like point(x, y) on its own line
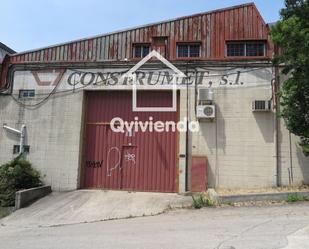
point(140, 50)
point(245, 48)
point(24, 94)
point(188, 50)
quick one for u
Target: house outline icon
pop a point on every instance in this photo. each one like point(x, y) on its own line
point(132, 75)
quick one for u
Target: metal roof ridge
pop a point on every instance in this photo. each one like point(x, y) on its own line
point(136, 27)
point(6, 48)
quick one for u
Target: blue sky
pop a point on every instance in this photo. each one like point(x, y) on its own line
point(35, 23)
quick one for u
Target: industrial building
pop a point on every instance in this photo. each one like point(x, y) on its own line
point(65, 96)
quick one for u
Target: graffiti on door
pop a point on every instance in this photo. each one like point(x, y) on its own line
point(129, 157)
point(94, 164)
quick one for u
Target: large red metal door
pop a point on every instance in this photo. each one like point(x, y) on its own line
point(138, 160)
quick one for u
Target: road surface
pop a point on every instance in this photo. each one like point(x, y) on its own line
point(275, 226)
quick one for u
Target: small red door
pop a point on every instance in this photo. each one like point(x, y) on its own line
point(160, 44)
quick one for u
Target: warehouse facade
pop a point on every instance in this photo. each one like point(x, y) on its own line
point(66, 96)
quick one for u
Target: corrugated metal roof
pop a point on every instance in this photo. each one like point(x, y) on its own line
point(211, 29)
point(140, 26)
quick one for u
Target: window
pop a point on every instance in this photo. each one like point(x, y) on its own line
point(26, 148)
point(16, 149)
point(24, 94)
point(140, 50)
point(246, 48)
point(255, 49)
point(236, 49)
point(188, 50)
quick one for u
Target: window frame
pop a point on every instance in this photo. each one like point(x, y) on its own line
point(28, 91)
point(142, 45)
point(255, 42)
point(188, 44)
point(245, 43)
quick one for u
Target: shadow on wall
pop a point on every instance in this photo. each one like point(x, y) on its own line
point(266, 124)
point(5, 100)
point(303, 162)
point(214, 134)
point(262, 75)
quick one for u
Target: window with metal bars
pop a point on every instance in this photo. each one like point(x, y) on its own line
point(245, 48)
point(25, 94)
point(188, 50)
point(255, 49)
point(140, 50)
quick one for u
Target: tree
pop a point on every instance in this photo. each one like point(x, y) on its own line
point(291, 34)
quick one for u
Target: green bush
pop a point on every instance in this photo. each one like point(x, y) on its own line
point(202, 201)
point(16, 175)
point(304, 143)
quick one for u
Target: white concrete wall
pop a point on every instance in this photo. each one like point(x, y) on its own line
point(53, 133)
point(294, 165)
point(239, 143)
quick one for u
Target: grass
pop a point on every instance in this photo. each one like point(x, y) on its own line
point(229, 203)
point(202, 201)
point(296, 198)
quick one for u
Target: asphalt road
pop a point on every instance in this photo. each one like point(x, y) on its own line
point(273, 226)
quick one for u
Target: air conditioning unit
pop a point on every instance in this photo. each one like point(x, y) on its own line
point(205, 94)
point(205, 111)
point(261, 105)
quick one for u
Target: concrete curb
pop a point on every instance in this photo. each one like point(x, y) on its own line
point(27, 196)
point(261, 197)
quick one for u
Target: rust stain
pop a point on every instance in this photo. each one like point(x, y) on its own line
point(211, 28)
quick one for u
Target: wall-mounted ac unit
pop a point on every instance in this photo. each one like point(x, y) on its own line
point(205, 111)
point(261, 105)
point(205, 94)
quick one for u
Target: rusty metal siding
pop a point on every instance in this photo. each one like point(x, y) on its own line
point(212, 29)
point(155, 154)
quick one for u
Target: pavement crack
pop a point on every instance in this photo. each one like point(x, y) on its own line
point(219, 246)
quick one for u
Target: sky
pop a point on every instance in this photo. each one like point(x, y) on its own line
point(31, 24)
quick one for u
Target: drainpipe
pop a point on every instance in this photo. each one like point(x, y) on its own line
point(187, 132)
point(277, 127)
point(21, 134)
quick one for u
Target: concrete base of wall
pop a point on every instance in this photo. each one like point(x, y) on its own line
point(27, 196)
point(261, 197)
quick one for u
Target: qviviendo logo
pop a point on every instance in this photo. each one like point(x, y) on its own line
point(117, 124)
